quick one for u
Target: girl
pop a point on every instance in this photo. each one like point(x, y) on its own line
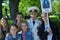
point(4, 26)
point(26, 34)
point(19, 19)
point(13, 33)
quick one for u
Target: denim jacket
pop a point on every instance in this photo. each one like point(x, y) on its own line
point(10, 37)
point(28, 35)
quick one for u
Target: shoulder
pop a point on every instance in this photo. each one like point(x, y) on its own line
point(29, 32)
point(9, 37)
point(19, 32)
point(18, 35)
point(39, 20)
point(28, 20)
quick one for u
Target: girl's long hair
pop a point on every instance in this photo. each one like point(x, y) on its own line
point(7, 25)
point(1, 35)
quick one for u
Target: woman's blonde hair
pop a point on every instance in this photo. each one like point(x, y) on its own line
point(7, 26)
point(1, 35)
point(26, 24)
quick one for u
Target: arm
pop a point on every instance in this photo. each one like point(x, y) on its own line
point(6, 38)
point(7, 34)
point(32, 36)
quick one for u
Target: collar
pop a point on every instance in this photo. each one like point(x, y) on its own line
point(34, 20)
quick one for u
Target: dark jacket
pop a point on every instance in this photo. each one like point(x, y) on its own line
point(43, 34)
point(4, 32)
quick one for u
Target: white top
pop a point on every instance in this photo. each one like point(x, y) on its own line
point(33, 28)
point(20, 32)
point(30, 23)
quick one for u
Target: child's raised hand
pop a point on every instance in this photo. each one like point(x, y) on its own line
point(7, 34)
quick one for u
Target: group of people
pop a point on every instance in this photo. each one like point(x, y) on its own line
point(30, 29)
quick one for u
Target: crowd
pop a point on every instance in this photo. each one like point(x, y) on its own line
point(31, 29)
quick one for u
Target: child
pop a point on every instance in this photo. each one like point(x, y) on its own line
point(13, 33)
point(33, 22)
point(26, 34)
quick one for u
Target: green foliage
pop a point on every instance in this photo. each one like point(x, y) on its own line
point(5, 5)
point(8, 10)
point(56, 6)
point(56, 21)
point(25, 4)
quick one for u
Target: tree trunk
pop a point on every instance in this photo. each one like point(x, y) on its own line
point(0, 9)
point(13, 4)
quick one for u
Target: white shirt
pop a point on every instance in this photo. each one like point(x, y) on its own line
point(33, 28)
point(30, 23)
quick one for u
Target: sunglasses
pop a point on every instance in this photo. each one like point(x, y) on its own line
point(33, 10)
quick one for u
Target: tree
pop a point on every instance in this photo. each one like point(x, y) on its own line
point(0, 9)
point(25, 4)
point(13, 4)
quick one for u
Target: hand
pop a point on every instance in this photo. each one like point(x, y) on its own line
point(49, 30)
point(7, 34)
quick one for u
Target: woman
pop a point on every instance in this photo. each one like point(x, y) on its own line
point(4, 26)
point(47, 31)
point(19, 20)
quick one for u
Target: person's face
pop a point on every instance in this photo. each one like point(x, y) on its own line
point(3, 23)
point(24, 27)
point(19, 18)
point(13, 30)
point(33, 15)
point(44, 17)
